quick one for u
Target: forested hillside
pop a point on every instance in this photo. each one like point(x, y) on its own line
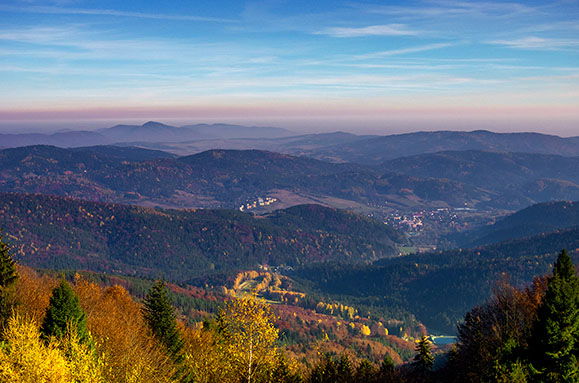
point(515, 179)
point(536, 219)
point(440, 287)
point(215, 178)
point(58, 232)
point(92, 330)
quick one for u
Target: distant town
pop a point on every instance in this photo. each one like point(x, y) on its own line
point(259, 202)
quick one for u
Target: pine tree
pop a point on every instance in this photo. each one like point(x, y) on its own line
point(8, 273)
point(554, 342)
point(160, 316)
point(332, 370)
point(64, 314)
point(388, 372)
point(423, 360)
point(8, 276)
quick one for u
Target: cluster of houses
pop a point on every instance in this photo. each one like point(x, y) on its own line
point(260, 202)
point(412, 222)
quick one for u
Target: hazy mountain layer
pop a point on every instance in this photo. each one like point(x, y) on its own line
point(375, 150)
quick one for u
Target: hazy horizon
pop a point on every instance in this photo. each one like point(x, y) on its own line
point(300, 126)
point(361, 67)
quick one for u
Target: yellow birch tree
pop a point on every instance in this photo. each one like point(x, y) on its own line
point(248, 339)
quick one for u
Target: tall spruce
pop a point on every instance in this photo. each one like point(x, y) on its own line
point(554, 343)
point(423, 360)
point(8, 277)
point(159, 314)
point(64, 314)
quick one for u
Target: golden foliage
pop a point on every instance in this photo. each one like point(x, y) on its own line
point(248, 338)
point(129, 350)
point(25, 358)
point(84, 362)
point(203, 356)
point(365, 330)
point(33, 293)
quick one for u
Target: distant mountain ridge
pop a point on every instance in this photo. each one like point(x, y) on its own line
point(153, 131)
point(150, 131)
point(333, 147)
point(376, 150)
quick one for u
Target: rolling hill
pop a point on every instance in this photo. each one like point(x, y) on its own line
point(216, 178)
point(439, 288)
point(376, 150)
point(536, 219)
point(516, 179)
point(63, 233)
point(305, 145)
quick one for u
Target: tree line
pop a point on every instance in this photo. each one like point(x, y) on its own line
point(76, 331)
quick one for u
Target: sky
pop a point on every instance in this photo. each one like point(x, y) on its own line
point(361, 66)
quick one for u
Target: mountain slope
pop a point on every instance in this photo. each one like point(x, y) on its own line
point(376, 150)
point(440, 287)
point(536, 219)
point(57, 232)
point(216, 178)
point(518, 179)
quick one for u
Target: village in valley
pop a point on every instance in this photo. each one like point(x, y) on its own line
point(258, 202)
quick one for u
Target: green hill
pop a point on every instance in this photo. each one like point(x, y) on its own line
point(63, 233)
point(440, 287)
point(536, 219)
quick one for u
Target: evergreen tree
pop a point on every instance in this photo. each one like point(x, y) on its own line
point(64, 314)
point(424, 360)
point(8, 276)
point(159, 314)
point(388, 372)
point(366, 372)
point(554, 342)
point(332, 370)
point(8, 273)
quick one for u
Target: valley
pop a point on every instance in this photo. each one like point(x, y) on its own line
point(359, 258)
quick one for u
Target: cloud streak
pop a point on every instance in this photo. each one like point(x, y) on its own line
point(372, 30)
point(403, 51)
point(112, 12)
point(538, 43)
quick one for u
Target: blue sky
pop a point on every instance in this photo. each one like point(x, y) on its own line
point(361, 66)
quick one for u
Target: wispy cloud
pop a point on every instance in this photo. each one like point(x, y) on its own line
point(451, 8)
point(111, 12)
point(373, 30)
point(539, 43)
point(402, 51)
